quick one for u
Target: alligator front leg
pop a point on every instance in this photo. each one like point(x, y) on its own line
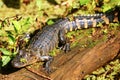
point(47, 60)
point(63, 41)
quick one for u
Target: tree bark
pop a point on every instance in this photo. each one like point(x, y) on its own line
point(75, 67)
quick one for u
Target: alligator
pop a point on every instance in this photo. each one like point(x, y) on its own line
point(53, 36)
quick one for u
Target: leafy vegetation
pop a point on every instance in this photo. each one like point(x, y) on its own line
point(34, 14)
point(108, 72)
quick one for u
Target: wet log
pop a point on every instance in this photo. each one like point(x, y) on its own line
point(85, 62)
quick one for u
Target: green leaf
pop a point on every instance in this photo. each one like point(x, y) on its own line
point(26, 21)
point(11, 39)
point(106, 7)
point(5, 60)
point(82, 2)
point(50, 22)
point(0, 26)
point(5, 51)
point(39, 4)
point(15, 53)
point(26, 24)
point(3, 33)
point(1, 4)
point(17, 26)
point(105, 31)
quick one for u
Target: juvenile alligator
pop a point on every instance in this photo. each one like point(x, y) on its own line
point(53, 36)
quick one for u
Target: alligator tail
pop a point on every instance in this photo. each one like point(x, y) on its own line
point(87, 21)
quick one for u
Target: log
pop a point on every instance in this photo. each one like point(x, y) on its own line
point(83, 63)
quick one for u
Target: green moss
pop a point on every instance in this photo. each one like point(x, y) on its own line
point(23, 60)
point(54, 52)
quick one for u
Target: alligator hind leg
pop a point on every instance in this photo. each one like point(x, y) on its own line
point(47, 60)
point(63, 41)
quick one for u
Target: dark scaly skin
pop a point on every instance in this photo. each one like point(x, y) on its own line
point(54, 36)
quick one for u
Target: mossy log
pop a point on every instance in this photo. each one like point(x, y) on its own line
point(75, 67)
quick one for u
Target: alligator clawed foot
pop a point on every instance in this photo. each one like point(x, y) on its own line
point(47, 64)
point(65, 48)
point(48, 70)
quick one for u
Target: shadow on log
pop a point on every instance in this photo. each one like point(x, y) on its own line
point(83, 63)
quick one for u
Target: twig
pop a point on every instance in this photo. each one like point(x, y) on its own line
point(41, 75)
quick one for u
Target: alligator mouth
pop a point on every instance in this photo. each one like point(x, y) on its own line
point(19, 64)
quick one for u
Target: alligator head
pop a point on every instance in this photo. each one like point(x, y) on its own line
point(23, 58)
